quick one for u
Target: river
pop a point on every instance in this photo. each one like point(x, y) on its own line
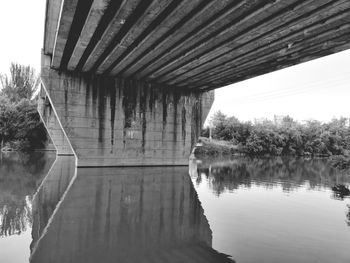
point(239, 210)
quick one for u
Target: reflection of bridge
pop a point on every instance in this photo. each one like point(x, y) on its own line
point(119, 215)
point(127, 82)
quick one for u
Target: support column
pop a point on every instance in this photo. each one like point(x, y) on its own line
point(120, 122)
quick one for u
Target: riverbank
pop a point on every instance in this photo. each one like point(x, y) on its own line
point(212, 148)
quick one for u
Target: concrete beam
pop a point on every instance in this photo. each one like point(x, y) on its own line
point(268, 48)
point(137, 27)
point(264, 69)
point(325, 43)
point(296, 31)
point(185, 43)
point(252, 26)
point(98, 9)
point(202, 26)
point(53, 10)
point(160, 27)
point(64, 25)
point(105, 33)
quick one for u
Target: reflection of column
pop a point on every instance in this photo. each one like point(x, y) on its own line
point(129, 214)
point(50, 192)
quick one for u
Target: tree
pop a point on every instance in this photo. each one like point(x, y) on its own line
point(219, 122)
point(7, 112)
point(21, 84)
point(285, 137)
point(20, 124)
point(28, 126)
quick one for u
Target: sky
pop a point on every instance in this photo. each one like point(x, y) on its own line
point(319, 89)
point(22, 32)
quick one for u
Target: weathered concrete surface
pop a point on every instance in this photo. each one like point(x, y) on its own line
point(52, 125)
point(148, 214)
point(197, 44)
point(118, 122)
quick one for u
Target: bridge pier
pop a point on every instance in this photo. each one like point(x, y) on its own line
point(121, 122)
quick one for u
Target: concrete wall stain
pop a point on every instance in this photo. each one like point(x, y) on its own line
point(66, 87)
point(151, 96)
point(176, 102)
point(87, 96)
point(165, 109)
point(183, 125)
point(112, 92)
point(129, 104)
point(155, 99)
point(143, 108)
point(103, 83)
point(48, 105)
point(196, 122)
point(94, 96)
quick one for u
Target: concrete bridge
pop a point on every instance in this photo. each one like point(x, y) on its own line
point(130, 82)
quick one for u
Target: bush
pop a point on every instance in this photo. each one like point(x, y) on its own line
point(286, 137)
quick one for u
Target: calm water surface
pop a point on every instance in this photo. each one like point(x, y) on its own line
point(241, 210)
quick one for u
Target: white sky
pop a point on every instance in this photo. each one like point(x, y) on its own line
point(21, 29)
point(319, 89)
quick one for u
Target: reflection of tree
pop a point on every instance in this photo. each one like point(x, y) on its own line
point(289, 173)
point(340, 191)
point(14, 220)
point(20, 176)
point(348, 216)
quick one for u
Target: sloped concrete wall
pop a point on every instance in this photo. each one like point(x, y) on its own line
point(118, 122)
point(52, 125)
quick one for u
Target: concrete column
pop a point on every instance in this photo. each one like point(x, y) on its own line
point(120, 122)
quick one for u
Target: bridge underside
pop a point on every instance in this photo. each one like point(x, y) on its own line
point(127, 79)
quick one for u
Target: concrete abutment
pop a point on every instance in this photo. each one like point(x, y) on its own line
point(121, 122)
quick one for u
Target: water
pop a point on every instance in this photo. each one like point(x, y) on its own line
point(241, 210)
point(20, 176)
point(276, 210)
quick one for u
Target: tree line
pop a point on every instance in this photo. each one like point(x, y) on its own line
point(20, 125)
point(283, 137)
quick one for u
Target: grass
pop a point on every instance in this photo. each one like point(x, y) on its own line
point(213, 147)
